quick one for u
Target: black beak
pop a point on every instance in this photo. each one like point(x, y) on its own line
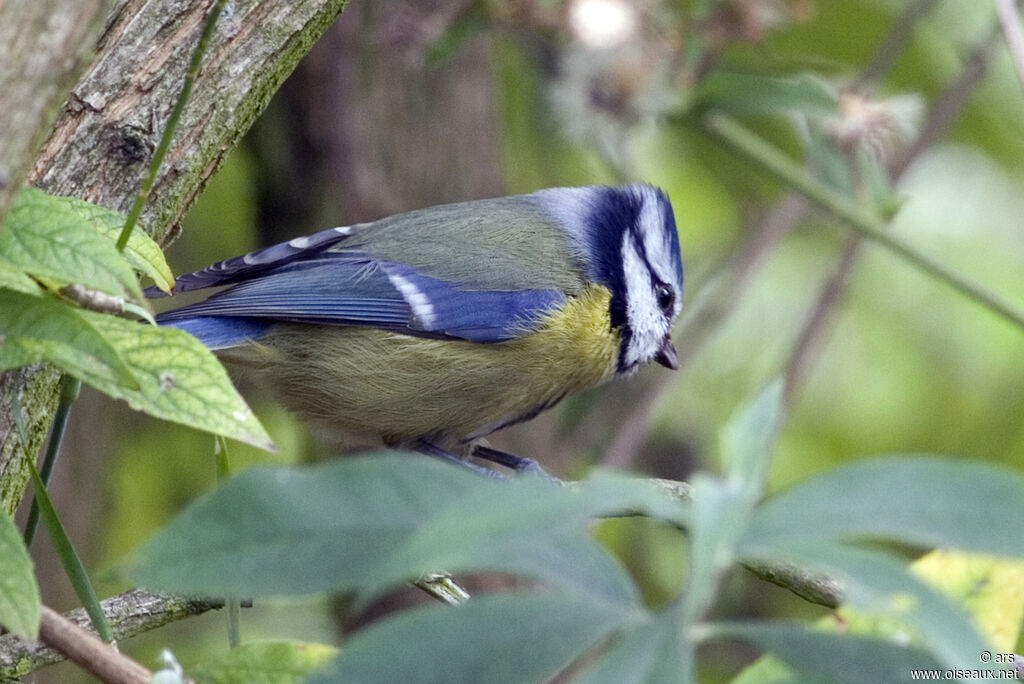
point(666, 355)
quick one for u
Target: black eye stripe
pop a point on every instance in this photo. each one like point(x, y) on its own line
point(663, 292)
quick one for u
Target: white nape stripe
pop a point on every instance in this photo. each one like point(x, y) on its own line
point(643, 316)
point(344, 230)
point(421, 306)
point(651, 225)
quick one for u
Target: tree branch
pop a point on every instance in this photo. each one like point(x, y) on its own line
point(89, 651)
point(130, 614)
point(110, 124)
point(42, 46)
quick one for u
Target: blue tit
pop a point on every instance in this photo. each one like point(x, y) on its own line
point(433, 328)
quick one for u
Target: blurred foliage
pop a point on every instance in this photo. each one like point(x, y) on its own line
point(905, 364)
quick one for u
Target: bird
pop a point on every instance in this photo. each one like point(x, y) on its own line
point(429, 330)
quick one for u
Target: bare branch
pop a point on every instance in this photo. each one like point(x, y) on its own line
point(89, 651)
point(130, 614)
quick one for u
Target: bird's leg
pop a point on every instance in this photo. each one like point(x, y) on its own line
point(425, 447)
point(520, 464)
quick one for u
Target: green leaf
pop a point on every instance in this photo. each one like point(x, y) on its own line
point(767, 670)
point(528, 526)
point(826, 658)
point(12, 278)
point(721, 512)
point(47, 239)
point(508, 638)
point(141, 251)
point(19, 593)
point(903, 498)
point(264, 662)
point(880, 584)
point(757, 94)
point(652, 653)
point(34, 329)
point(747, 440)
point(179, 380)
point(367, 523)
point(828, 162)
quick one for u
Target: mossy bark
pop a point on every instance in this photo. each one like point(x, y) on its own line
point(112, 119)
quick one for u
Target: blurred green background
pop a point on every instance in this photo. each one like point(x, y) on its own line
point(406, 104)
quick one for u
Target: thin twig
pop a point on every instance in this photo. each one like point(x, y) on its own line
point(892, 45)
point(949, 104)
point(951, 101)
point(88, 651)
point(861, 220)
point(816, 588)
point(130, 614)
point(810, 333)
point(1009, 18)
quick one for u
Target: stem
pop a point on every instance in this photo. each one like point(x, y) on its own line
point(172, 124)
point(69, 559)
point(232, 604)
point(69, 389)
point(862, 221)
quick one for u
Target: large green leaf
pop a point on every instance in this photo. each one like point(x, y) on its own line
point(264, 662)
point(826, 658)
point(46, 238)
point(15, 279)
point(178, 380)
point(19, 593)
point(651, 653)
point(368, 523)
point(926, 501)
point(747, 440)
point(34, 329)
point(510, 639)
point(141, 251)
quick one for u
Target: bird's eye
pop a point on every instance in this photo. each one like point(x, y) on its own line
point(665, 297)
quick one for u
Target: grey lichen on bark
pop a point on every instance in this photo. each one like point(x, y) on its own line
point(111, 122)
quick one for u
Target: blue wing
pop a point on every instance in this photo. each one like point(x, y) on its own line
point(263, 260)
point(347, 286)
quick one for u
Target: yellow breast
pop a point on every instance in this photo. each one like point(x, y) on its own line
point(371, 383)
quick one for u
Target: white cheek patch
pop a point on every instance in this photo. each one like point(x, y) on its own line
point(644, 317)
point(420, 304)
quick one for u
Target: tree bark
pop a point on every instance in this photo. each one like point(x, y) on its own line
point(113, 118)
point(44, 44)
